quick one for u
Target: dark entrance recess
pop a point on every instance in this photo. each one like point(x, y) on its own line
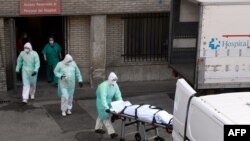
point(39, 29)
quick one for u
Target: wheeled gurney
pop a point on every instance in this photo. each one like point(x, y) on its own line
point(144, 116)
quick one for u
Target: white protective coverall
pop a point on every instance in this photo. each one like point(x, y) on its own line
point(29, 61)
point(67, 71)
point(105, 93)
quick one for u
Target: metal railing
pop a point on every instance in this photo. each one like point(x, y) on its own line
point(146, 37)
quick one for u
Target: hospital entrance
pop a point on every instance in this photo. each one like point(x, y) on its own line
point(38, 30)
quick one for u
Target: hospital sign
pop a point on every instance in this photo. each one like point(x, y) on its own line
point(40, 7)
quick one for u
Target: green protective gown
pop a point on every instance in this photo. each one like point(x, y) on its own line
point(29, 63)
point(52, 59)
point(104, 95)
point(71, 71)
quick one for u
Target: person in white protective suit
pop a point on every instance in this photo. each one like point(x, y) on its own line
point(105, 92)
point(29, 61)
point(67, 71)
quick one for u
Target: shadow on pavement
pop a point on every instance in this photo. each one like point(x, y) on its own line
point(79, 120)
point(90, 135)
point(18, 107)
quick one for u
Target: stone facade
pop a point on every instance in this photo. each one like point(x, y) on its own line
point(88, 7)
point(95, 38)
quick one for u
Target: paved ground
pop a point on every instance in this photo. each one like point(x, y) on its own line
point(41, 119)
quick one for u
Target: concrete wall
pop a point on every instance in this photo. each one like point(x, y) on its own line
point(142, 72)
point(98, 40)
point(86, 7)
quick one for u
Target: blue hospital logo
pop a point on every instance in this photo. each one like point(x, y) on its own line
point(214, 43)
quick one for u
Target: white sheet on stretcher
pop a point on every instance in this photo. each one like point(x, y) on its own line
point(145, 112)
point(118, 106)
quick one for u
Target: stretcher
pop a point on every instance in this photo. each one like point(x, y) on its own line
point(122, 110)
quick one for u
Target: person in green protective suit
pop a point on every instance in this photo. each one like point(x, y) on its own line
point(67, 71)
point(29, 61)
point(105, 92)
point(51, 53)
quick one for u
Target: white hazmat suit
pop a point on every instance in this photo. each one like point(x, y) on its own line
point(67, 71)
point(29, 61)
point(105, 93)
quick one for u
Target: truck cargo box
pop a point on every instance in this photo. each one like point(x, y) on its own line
point(210, 42)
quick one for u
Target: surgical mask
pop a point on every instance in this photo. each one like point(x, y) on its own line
point(112, 82)
point(27, 50)
point(67, 63)
point(51, 42)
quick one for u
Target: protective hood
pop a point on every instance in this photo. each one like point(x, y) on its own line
point(67, 59)
point(28, 45)
point(112, 78)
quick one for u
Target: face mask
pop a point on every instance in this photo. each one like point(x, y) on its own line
point(112, 82)
point(51, 42)
point(27, 50)
point(67, 63)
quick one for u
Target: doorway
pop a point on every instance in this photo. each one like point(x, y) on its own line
point(38, 30)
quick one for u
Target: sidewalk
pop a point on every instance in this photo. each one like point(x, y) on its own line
point(41, 119)
point(47, 91)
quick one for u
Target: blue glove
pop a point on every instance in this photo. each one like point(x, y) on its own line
point(34, 73)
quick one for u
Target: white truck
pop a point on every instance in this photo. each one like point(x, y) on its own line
point(221, 46)
point(203, 118)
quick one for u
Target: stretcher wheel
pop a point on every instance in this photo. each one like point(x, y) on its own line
point(137, 136)
point(159, 139)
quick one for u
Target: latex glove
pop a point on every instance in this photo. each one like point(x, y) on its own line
point(80, 84)
point(63, 77)
point(107, 110)
point(114, 118)
point(34, 73)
